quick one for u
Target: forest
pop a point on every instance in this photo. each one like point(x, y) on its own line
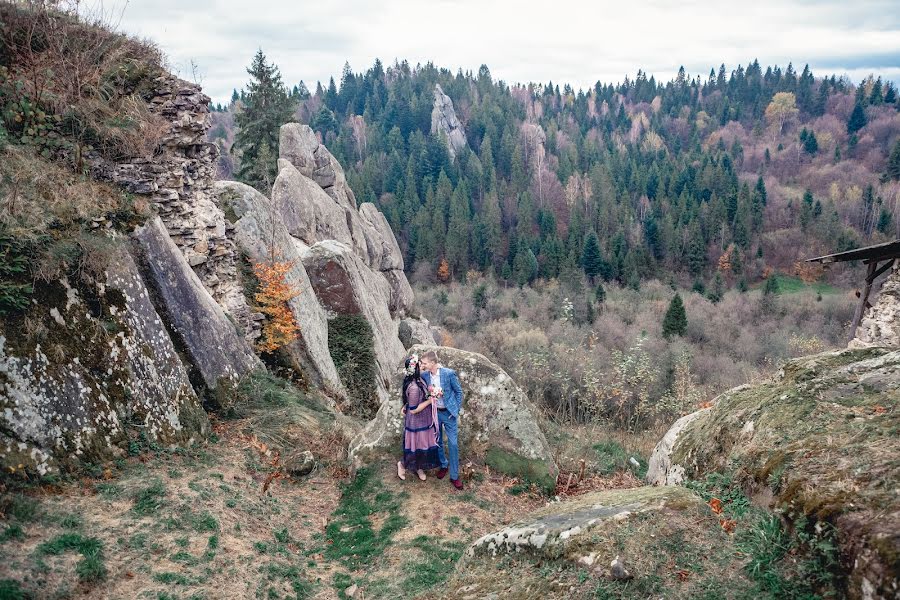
point(712, 182)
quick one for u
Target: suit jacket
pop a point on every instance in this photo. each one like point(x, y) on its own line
point(453, 396)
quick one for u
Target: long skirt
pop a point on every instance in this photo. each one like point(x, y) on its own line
point(420, 449)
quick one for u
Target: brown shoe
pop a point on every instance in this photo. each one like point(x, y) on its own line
point(458, 484)
point(442, 472)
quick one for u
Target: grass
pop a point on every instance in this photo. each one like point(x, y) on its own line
point(612, 457)
point(291, 575)
point(10, 589)
point(13, 531)
point(798, 565)
point(434, 564)
point(353, 539)
point(793, 285)
point(91, 567)
point(148, 500)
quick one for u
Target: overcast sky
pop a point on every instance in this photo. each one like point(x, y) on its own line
point(520, 41)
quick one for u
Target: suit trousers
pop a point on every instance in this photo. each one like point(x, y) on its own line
point(448, 424)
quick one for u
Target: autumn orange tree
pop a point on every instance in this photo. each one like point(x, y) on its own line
point(273, 296)
point(443, 271)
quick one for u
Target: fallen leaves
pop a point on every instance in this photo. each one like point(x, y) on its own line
point(728, 525)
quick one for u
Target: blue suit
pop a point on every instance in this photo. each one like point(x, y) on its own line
point(448, 420)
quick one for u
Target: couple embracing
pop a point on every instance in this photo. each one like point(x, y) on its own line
point(432, 398)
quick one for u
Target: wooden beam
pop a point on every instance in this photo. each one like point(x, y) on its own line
point(864, 297)
point(882, 269)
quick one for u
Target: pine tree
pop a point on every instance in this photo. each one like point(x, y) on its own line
point(675, 321)
point(857, 119)
point(810, 143)
point(892, 172)
point(591, 259)
point(266, 107)
point(457, 245)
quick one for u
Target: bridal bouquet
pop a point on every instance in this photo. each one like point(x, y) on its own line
point(435, 392)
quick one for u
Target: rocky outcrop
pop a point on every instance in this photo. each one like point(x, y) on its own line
point(880, 326)
point(497, 421)
point(213, 345)
point(416, 331)
point(344, 285)
point(445, 123)
point(566, 529)
point(259, 233)
point(98, 366)
point(819, 442)
point(299, 146)
point(177, 181)
point(312, 194)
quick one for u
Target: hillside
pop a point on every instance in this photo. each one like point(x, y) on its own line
point(201, 379)
point(737, 173)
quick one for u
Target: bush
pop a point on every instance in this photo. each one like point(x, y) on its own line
point(352, 348)
point(69, 84)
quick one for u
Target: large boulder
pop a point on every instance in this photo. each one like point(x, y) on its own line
point(213, 345)
point(497, 421)
point(818, 441)
point(344, 285)
point(416, 331)
point(101, 362)
point(880, 326)
point(260, 233)
point(444, 122)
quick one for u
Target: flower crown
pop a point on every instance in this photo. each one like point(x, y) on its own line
point(412, 364)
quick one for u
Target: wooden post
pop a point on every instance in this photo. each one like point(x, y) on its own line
point(864, 297)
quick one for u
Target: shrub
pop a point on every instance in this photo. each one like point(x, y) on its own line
point(352, 348)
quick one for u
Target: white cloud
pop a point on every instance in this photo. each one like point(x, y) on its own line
point(565, 41)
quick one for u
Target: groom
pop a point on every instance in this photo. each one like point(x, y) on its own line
point(448, 413)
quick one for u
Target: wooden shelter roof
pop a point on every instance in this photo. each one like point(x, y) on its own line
point(878, 252)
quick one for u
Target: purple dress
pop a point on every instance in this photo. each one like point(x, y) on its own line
point(420, 450)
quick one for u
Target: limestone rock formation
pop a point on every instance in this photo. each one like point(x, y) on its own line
point(880, 325)
point(214, 345)
point(820, 441)
point(177, 181)
point(416, 331)
point(254, 220)
point(344, 285)
point(497, 421)
point(99, 362)
point(306, 170)
point(444, 122)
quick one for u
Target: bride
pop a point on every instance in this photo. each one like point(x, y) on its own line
point(420, 450)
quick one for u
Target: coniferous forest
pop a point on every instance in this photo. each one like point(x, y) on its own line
point(715, 180)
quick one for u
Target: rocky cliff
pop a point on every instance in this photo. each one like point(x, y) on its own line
point(445, 123)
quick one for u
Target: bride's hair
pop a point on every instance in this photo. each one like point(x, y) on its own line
point(414, 377)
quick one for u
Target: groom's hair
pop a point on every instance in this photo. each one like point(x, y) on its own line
point(430, 355)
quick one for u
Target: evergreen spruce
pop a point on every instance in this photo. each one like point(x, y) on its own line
point(591, 259)
point(857, 119)
point(266, 107)
point(675, 321)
